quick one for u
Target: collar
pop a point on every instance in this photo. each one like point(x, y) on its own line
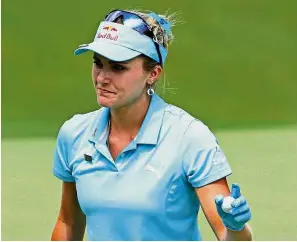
point(99, 129)
point(152, 123)
point(149, 130)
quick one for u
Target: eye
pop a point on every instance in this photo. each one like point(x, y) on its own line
point(98, 63)
point(118, 67)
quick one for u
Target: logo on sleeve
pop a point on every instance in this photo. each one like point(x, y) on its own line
point(219, 157)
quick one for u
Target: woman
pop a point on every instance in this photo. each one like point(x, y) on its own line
point(139, 168)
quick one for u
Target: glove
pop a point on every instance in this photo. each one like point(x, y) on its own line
point(240, 213)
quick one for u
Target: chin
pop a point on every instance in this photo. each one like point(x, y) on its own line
point(105, 102)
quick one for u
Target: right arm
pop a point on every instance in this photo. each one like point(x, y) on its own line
point(71, 221)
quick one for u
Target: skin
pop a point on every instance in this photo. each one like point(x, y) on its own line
point(122, 87)
point(71, 221)
point(206, 197)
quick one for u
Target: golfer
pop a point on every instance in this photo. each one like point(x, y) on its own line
point(139, 168)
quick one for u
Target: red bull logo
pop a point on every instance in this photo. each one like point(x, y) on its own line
point(110, 28)
point(107, 36)
point(106, 27)
point(109, 33)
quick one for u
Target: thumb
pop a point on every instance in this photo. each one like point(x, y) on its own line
point(219, 200)
point(235, 191)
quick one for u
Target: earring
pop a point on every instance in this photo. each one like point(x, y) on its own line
point(150, 90)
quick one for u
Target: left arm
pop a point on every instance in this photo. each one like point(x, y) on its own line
point(206, 196)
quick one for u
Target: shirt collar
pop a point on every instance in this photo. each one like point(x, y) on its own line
point(100, 129)
point(149, 130)
point(151, 125)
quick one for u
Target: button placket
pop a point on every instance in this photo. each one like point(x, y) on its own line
point(120, 160)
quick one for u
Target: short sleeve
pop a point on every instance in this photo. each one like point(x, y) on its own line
point(61, 167)
point(204, 161)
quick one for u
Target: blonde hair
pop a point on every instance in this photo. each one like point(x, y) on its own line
point(159, 32)
point(161, 37)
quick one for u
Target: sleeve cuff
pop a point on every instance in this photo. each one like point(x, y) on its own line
point(63, 177)
point(209, 179)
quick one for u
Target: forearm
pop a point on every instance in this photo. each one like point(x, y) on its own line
point(245, 234)
point(68, 232)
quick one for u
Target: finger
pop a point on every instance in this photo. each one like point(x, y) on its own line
point(235, 191)
point(238, 202)
point(240, 210)
point(219, 200)
point(243, 218)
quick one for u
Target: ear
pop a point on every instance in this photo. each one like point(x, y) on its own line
point(155, 74)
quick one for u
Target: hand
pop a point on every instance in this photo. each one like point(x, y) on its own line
point(240, 213)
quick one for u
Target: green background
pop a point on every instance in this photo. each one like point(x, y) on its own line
point(232, 65)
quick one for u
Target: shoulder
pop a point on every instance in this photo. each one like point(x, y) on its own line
point(199, 134)
point(78, 124)
point(177, 116)
point(81, 119)
point(196, 131)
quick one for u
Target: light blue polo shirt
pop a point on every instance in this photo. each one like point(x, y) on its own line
point(147, 193)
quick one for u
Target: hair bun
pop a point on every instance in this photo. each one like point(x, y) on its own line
point(166, 25)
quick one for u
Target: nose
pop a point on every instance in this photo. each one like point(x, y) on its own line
point(103, 77)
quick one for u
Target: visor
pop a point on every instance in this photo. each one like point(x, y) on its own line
point(125, 40)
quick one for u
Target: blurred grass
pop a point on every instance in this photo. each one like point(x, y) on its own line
point(263, 162)
point(233, 63)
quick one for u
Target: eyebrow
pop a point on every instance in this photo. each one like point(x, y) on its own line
point(110, 61)
point(118, 62)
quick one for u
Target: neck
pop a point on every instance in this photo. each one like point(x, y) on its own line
point(128, 119)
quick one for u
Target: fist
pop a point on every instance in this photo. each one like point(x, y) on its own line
point(234, 210)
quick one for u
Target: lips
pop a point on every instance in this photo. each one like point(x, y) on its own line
point(105, 91)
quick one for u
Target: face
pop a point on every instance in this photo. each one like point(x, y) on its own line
point(118, 84)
